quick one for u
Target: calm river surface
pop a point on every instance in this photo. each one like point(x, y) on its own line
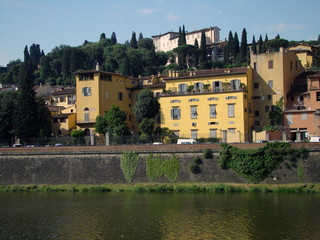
point(159, 216)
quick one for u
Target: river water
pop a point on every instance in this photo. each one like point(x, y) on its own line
point(159, 216)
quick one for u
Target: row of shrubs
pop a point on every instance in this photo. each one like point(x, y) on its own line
point(175, 188)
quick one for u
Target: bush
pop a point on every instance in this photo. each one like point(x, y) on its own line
point(197, 160)
point(129, 162)
point(171, 168)
point(207, 153)
point(155, 167)
point(194, 168)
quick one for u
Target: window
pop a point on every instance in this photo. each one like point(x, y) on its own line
point(255, 65)
point(63, 120)
point(269, 97)
point(267, 108)
point(194, 134)
point(256, 85)
point(175, 113)
point(107, 95)
point(120, 96)
point(193, 112)
point(270, 83)
point(86, 117)
point(198, 87)
point(270, 64)
point(231, 130)
point(304, 116)
point(182, 88)
point(289, 118)
point(217, 86)
point(235, 84)
point(86, 91)
point(213, 113)
point(256, 113)
point(292, 98)
point(230, 110)
point(129, 96)
point(62, 99)
point(318, 96)
point(213, 133)
point(291, 65)
point(296, 65)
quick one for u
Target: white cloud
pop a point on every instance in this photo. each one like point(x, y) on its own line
point(279, 27)
point(173, 16)
point(148, 11)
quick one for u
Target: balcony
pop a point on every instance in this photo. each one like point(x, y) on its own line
point(205, 90)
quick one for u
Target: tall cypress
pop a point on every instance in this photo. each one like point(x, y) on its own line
point(244, 44)
point(203, 50)
point(183, 39)
point(260, 44)
point(196, 54)
point(180, 37)
point(140, 37)
point(133, 41)
point(236, 45)
point(113, 38)
point(254, 45)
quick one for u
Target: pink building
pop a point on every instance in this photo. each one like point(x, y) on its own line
point(302, 113)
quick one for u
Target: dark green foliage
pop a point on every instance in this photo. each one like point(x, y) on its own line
point(275, 44)
point(203, 50)
point(113, 38)
point(194, 168)
point(255, 164)
point(101, 124)
point(254, 45)
point(207, 153)
point(171, 168)
point(116, 122)
point(133, 41)
point(147, 125)
point(147, 105)
point(244, 45)
point(260, 45)
point(197, 160)
point(155, 167)
point(129, 162)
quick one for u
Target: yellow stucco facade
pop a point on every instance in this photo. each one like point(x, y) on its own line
point(97, 91)
point(273, 76)
point(211, 103)
point(309, 56)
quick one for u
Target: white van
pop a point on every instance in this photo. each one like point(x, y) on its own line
point(314, 139)
point(186, 141)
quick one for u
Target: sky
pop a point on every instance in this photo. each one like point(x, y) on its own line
point(52, 23)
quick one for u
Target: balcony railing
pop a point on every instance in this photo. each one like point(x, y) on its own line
point(204, 91)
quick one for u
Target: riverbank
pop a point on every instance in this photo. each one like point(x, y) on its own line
point(175, 188)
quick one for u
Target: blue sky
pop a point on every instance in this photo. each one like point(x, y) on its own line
point(51, 23)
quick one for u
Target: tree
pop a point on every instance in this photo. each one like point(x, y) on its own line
point(147, 105)
point(113, 38)
point(196, 54)
point(236, 45)
point(102, 36)
point(180, 37)
point(254, 45)
point(116, 122)
point(278, 36)
point(203, 51)
point(275, 44)
point(147, 126)
point(140, 37)
point(145, 43)
point(244, 45)
point(275, 116)
point(260, 45)
point(7, 106)
point(133, 41)
point(183, 37)
point(101, 125)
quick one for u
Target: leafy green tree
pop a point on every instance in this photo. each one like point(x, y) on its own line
point(102, 36)
point(116, 121)
point(147, 105)
point(113, 38)
point(125, 66)
point(133, 41)
point(275, 115)
point(147, 125)
point(146, 43)
point(275, 44)
point(101, 125)
point(7, 106)
point(44, 119)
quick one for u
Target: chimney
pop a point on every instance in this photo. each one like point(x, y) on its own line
point(97, 67)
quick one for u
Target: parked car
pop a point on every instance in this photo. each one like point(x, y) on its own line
point(314, 139)
point(186, 141)
point(58, 145)
point(17, 145)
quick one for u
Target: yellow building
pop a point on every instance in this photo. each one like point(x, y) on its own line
point(96, 92)
point(273, 76)
point(209, 103)
point(309, 56)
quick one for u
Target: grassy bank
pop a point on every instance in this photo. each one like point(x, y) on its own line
point(176, 188)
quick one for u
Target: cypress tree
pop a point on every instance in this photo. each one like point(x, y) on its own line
point(183, 40)
point(196, 54)
point(260, 44)
point(244, 44)
point(140, 37)
point(236, 45)
point(113, 38)
point(278, 36)
point(102, 36)
point(180, 37)
point(133, 42)
point(203, 50)
point(254, 45)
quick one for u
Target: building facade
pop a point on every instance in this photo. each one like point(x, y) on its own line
point(309, 56)
point(209, 103)
point(168, 41)
point(273, 77)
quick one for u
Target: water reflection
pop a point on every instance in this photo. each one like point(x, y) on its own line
point(159, 216)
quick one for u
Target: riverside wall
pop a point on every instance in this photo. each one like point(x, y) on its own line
point(101, 165)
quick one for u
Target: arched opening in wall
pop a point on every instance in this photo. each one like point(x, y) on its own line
point(87, 132)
